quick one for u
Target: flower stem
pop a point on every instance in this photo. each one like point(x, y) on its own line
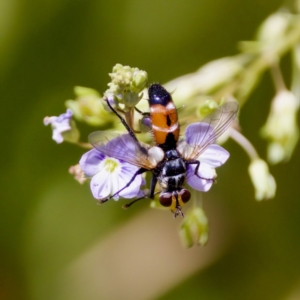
point(244, 143)
point(84, 145)
point(277, 77)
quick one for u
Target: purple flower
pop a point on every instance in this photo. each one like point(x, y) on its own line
point(59, 125)
point(109, 175)
point(212, 157)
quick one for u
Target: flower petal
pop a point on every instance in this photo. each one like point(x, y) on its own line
point(101, 185)
point(127, 172)
point(59, 125)
point(206, 173)
point(90, 162)
point(214, 155)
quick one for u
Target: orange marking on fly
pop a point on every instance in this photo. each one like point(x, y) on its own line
point(163, 115)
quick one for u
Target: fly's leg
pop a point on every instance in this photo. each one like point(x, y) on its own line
point(138, 172)
point(123, 121)
point(146, 120)
point(197, 162)
point(152, 186)
point(126, 126)
point(145, 114)
point(151, 194)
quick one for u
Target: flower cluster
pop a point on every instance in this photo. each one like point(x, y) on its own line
point(112, 166)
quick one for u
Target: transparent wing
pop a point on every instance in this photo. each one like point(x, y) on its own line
point(202, 134)
point(123, 147)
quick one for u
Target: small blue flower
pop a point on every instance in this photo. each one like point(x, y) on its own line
point(109, 175)
point(212, 157)
point(59, 125)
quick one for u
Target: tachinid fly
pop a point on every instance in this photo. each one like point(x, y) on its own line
point(171, 159)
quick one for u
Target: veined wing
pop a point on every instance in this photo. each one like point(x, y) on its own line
point(202, 134)
point(123, 147)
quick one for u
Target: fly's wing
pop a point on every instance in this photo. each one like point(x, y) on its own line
point(123, 147)
point(200, 135)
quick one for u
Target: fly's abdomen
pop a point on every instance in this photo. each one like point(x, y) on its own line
point(164, 117)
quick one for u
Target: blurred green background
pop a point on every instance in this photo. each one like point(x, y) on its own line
point(56, 243)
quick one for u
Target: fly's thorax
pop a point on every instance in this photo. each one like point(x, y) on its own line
point(171, 154)
point(173, 164)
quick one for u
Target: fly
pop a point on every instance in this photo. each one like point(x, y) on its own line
point(170, 158)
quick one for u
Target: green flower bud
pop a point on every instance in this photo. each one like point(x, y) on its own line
point(264, 183)
point(126, 85)
point(140, 79)
point(194, 229)
point(207, 107)
point(274, 28)
point(281, 127)
point(121, 76)
point(88, 107)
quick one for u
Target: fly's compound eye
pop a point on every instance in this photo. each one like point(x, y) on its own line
point(185, 195)
point(166, 199)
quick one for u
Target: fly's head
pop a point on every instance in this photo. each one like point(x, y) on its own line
point(175, 200)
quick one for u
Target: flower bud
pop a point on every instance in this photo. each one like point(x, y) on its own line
point(274, 28)
point(194, 229)
point(126, 85)
point(140, 79)
point(78, 173)
point(121, 76)
point(207, 107)
point(281, 128)
point(207, 80)
point(88, 107)
point(264, 183)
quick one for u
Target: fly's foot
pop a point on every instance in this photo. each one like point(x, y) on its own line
point(213, 180)
point(101, 201)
